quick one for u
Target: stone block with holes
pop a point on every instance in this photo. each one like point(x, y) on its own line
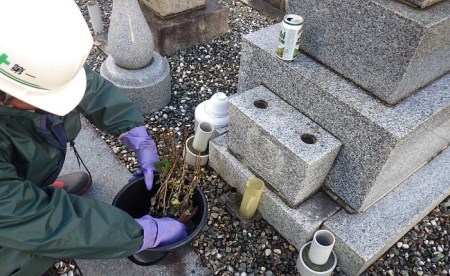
point(285, 148)
point(382, 145)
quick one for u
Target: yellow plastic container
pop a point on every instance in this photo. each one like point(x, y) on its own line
point(252, 195)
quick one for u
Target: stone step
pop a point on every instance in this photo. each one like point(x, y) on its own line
point(382, 145)
point(297, 225)
point(361, 238)
point(281, 145)
point(389, 48)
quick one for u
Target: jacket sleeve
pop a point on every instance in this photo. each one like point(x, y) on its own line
point(107, 107)
point(52, 223)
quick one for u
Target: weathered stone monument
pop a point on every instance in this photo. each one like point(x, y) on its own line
point(179, 25)
point(368, 102)
point(132, 64)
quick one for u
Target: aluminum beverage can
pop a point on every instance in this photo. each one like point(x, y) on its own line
point(289, 38)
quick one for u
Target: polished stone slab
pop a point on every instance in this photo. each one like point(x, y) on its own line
point(386, 47)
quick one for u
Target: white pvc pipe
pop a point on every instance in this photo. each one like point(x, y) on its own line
point(321, 247)
point(202, 136)
point(96, 16)
point(305, 270)
point(191, 154)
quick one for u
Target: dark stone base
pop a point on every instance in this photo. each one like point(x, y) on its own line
point(187, 29)
point(276, 9)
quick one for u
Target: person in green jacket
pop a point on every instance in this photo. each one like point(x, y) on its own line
point(44, 87)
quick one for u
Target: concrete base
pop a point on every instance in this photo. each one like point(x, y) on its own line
point(109, 176)
point(149, 87)
point(360, 238)
point(188, 29)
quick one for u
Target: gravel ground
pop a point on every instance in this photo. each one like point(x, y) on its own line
point(224, 246)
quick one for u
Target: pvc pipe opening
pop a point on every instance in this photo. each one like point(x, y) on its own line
point(325, 239)
point(321, 247)
point(206, 127)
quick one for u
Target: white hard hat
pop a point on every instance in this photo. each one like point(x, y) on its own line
point(43, 47)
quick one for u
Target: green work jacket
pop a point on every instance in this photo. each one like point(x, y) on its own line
point(39, 224)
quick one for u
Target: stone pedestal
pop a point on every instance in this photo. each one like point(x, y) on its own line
point(187, 29)
point(148, 87)
point(132, 63)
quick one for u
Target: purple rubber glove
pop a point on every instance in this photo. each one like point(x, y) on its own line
point(160, 231)
point(138, 140)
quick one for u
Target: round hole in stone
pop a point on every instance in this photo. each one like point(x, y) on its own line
point(260, 104)
point(233, 190)
point(308, 138)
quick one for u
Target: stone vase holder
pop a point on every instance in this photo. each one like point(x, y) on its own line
point(317, 257)
point(197, 145)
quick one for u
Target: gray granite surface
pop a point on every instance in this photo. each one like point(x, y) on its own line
point(130, 40)
point(382, 145)
point(363, 238)
point(149, 87)
point(388, 48)
point(285, 148)
point(109, 176)
point(297, 225)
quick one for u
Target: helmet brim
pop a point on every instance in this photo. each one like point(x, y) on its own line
point(58, 101)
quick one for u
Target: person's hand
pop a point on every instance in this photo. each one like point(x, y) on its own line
point(138, 140)
point(160, 231)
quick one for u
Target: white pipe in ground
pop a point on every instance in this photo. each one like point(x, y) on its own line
point(321, 247)
point(95, 15)
point(202, 135)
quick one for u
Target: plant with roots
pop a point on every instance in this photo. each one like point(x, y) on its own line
point(177, 180)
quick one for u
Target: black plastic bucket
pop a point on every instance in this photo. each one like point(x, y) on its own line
point(134, 198)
